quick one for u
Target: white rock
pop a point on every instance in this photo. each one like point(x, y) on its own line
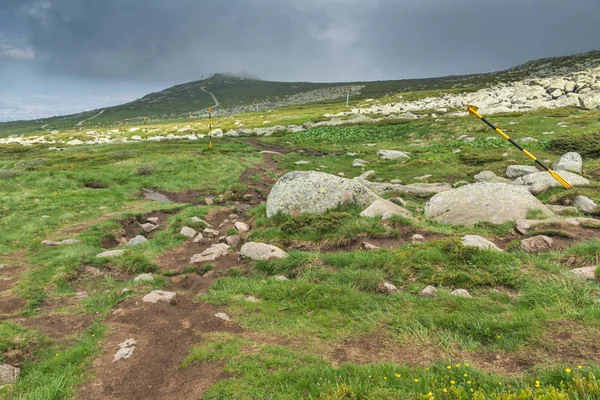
point(385, 209)
point(281, 278)
point(302, 162)
point(392, 155)
point(585, 272)
point(188, 232)
point(261, 251)
point(211, 254)
point(223, 316)
point(429, 291)
point(516, 171)
point(388, 288)
point(148, 227)
point(569, 162)
point(8, 374)
point(241, 226)
point(584, 204)
point(153, 220)
point(136, 240)
point(160, 296)
point(541, 181)
point(126, 350)
point(359, 163)
point(537, 244)
point(111, 254)
point(460, 293)
point(198, 238)
point(478, 241)
point(416, 238)
point(144, 277)
point(210, 233)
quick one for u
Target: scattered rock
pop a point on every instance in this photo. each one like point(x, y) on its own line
point(315, 192)
point(387, 288)
point(241, 226)
point(569, 162)
point(126, 350)
point(460, 293)
point(148, 227)
point(541, 181)
point(261, 251)
point(366, 175)
point(136, 240)
point(153, 220)
point(429, 291)
point(51, 243)
point(528, 140)
point(211, 254)
point(422, 177)
point(210, 233)
point(251, 299)
point(584, 204)
point(144, 277)
point(392, 155)
point(489, 176)
point(416, 238)
point(478, 241)
point(385, 209)
point(198, 238)
point(156, 296)
point(369, 246)
point(197, 220)
point(209, 201)
point(397, 200)
point(491, 202)
point(536, 244)
point(359, 163)
point(223, 316)
point(585, 272)
point(302, 162)
point(111, 254)
point(516, 171)
point(281, 278)
point(8, 374)
point(188, 232)
point(93, 271)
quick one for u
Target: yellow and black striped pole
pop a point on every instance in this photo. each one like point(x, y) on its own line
point(210, 127)
point(473, 111)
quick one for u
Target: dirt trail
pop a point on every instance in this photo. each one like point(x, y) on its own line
point(12, 268)
point(203, 88)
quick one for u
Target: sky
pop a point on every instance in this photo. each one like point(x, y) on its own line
point(66, 56)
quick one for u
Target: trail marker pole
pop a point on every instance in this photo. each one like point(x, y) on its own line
point(347, 96)
point(473, 111)
point(210, 127)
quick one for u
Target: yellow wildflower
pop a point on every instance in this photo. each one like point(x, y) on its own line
point(416, 380)
point(465, 375)
point(467, 365)
point(452, 382)
point(385, 378)
point(397, 375)
point(457, 365)
point(468, 382)
point(445, 390)
point(449, 367)
point(568, 370)
point(579, 367)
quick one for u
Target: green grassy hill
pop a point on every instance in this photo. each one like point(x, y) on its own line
point(237, 95)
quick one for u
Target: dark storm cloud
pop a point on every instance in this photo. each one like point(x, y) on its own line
point(319, 40)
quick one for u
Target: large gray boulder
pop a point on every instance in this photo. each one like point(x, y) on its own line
point(490, 202)
point(385, 209)
point(261, 251)
point(584, 204)
point(517, 171)
point(569, 162)
point(541, 181)
point(316, 192)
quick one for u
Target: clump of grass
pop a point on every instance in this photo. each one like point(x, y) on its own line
point(9, 173)
point(313, 222)
point(536, 214)
point(123, 155)
point(587, 144)
point(479, 158)
point(134, 263)
point(31, 165)
point(95, 184)
point(145, 169)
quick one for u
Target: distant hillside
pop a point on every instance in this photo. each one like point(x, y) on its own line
point(237, 95)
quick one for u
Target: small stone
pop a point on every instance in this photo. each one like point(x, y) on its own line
point(584, 204)
point(222, 238)
point(197, 220)
point(537, 244)
point(478, 241)
point(241, 226)
point(153, 220)
point(585, 272)
point(210, 233)
point(416, 238)
point(125, 290)
point(8, 374)
point(386, 287)
point(136, 240)
point(160, 296)
point(359, 163)
point(233, 217)
point(198, 238)
point(429, 291)
point(422, 178)
point(119, 312)
point(369, 246)
point(341, 174)
point(211, 254)
point(209, 201)
point(148, 227)
point(125, 350)
point(302, 162)
point(561, 209)
point(93, 271)
point(233, 241)
point(281, 278)
point(251, 299)
point(111, 254)
point(460, 293)
point(223, 316)
point(188, 232)
point(144, 277)
point(261, 251)
point(208, 274)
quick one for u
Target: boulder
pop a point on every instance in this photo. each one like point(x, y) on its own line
point(144, 277)
point(584, 204)
point(536, 244)
point(585, 272)
point(136, 240)
point(542, 181)
point(392, 155)
point(489, 176)
point(571, 161)
point(156, 296)
point(478, 241)
point(241, 226)
point(111, 254)
point(211, 254)
point(460, 293)
point(387, 288)
point(261, 251)
point(491, 202)
point(516, 171)
point(316, 192)
point(8, 374)
point(385, 209)
point(148, 227)
point(429, 291)
point(188, 232)
point(416, 238)
point(210, 233)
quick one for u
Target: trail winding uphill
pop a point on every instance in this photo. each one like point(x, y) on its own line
point(212, 95)
point(89, 119)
